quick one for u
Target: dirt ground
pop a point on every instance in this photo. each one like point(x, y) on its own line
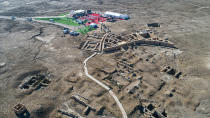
point(35, 50)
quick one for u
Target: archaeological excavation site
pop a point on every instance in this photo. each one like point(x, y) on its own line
point(104, 59)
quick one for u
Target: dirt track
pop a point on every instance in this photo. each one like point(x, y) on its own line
point(31, 49)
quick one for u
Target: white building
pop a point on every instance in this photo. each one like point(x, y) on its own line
point(112, 14)
point(79, 13)
point(116, 15)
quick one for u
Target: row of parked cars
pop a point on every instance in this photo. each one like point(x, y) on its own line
point(72, 33)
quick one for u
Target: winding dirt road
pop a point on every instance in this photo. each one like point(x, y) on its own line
point(85, 64)
point(104, 86)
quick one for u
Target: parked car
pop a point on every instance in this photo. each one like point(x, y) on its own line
point(13, 18)
point(153, 25)
point(66, 30)
point(74, 33)
point(52, 21)
point(29, 19)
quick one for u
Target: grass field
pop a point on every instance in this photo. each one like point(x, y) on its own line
point(63, 20)
point(85, 30)
point(69, 21)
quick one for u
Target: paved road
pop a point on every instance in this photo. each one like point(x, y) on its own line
point(104, 86)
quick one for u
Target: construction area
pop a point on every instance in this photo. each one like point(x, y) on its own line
point(104, 59)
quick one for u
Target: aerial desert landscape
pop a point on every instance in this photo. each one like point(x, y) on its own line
point(104, 58)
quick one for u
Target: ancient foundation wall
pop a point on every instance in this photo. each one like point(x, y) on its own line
point(140, 42)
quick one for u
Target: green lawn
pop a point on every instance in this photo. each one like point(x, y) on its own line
point(64, 20)
point(69, 21)
point(85, 30)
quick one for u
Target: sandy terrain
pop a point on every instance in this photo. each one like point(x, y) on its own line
point(29, 49)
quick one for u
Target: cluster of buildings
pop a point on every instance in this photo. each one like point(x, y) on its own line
point(88, 17)
point(92, 19)
point(107, 14)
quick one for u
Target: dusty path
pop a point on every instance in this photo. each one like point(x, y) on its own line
point(104, 86)
point(40, 21)
point(10, 18)
point(85, 65)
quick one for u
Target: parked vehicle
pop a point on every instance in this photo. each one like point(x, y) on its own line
point(66, 30)
point(74, 33)
point(52, 20)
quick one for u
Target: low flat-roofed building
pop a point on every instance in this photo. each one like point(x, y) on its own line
point(116, 15)
point(78, 13)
